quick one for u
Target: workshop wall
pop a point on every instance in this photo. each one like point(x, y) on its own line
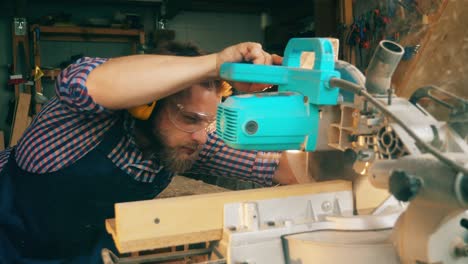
point(433, 34)
point(5, 58)
point(214, 31)
point(211, 31)
point(443, 57)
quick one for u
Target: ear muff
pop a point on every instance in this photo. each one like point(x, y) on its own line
point(142, 112)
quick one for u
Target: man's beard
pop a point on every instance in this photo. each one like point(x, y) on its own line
point(170, 157)
point(174, 163)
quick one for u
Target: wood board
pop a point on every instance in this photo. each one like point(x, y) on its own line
point(20, 120)
point(2, 141)
point(159, 223)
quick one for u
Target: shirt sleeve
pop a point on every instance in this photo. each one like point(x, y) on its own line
point(71, 86)
point(218, 159)
point(4, 155)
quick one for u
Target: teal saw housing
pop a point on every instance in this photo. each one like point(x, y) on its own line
point(287, 119)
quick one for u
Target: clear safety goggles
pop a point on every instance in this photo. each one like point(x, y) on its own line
point(189, 121)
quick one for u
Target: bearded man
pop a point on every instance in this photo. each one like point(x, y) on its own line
point(117, 131)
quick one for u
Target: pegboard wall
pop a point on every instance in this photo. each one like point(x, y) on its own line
point(403, 21)
point(433, 33)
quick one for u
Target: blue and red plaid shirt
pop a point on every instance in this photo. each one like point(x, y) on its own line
point(72, 124)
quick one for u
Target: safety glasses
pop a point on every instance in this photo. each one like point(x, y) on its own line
point(189, 121)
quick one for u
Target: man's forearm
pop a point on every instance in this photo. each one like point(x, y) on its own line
point(130, 81)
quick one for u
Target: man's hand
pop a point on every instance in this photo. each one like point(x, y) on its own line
point(247, 52)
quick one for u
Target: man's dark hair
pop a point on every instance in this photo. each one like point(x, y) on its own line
point(188, 49)
point(177, 49)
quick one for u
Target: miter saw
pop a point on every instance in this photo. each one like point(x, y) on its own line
point(393, 142)
point(423, 162)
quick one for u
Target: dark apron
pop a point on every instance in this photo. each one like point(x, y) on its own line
point(59, 217)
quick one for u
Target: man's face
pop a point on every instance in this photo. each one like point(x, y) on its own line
point(181, 127)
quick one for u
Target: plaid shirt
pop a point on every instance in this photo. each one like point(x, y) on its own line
point(72, 124)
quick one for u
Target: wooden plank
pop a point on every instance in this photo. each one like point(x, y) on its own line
point(142, 38)
point(87, 31)
point(348, 12)
point(161, 241)
point(2, 140)
point(89, 34)
point(88, 38)
point(21, 117)
point(110, 227)
point(348, 21)
point(168, 222)
point(368, 198)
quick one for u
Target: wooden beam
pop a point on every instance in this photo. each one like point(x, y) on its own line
point(161, 241)
point(21, 117)
point(89, 38)
point(151, 224)
point(89, 34)
point(347, 19)
point(87, 31)
point(348, 11)
point(368, 198)
point(2, 141)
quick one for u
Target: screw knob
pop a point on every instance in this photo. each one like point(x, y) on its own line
point(404, 186)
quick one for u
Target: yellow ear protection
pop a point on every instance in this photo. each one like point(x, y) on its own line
point(142, 112)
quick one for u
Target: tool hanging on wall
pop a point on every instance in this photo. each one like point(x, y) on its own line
point(38, 97)
point(20, 44)
point(359, 37)
point(20, 73)
point(411, 51)
point(352, 39)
